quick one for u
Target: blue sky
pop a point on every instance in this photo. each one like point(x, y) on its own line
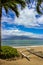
point(29, 22)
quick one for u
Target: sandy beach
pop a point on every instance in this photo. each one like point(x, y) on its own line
point(34, 60)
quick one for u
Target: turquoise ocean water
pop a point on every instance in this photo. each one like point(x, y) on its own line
point(22, 42)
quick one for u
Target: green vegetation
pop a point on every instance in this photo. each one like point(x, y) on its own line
point(8, 52)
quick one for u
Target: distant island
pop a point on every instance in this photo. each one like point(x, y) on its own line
point(21, 38)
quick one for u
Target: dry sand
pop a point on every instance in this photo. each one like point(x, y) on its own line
point(34, 60)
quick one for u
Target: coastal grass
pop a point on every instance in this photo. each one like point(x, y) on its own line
point(8, 52)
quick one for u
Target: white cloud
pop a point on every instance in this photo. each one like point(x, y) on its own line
point(28, 19)
point(17, 32)
point(40, 20)
point(6, 19)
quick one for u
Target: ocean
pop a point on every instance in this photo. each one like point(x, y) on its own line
point(21, 42)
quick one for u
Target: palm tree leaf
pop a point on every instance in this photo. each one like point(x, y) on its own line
point(13, 5)
point(38, 9)
point(14, 8)
point(38, 6)
point(6, 9)
point(21, 2)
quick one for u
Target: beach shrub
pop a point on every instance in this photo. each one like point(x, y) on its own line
point(8, 52)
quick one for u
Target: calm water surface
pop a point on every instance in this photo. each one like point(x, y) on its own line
point(22, 42)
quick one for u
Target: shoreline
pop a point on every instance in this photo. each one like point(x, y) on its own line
point(27, 46)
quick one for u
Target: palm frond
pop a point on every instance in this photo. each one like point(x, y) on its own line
point(38, 6)
point(12, 4)
point(13, 7)
point(6, 9)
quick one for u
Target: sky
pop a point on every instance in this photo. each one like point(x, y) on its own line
point(29, 23)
